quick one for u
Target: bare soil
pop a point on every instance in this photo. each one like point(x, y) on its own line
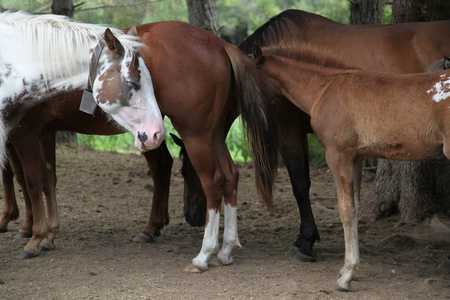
point(104, 200)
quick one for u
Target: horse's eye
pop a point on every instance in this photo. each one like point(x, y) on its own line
point(133, 84)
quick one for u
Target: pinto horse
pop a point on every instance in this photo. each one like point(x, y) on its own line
point(357, 114)
point(48, 55)
point(198, 98)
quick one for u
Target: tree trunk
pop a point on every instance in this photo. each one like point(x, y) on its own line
point(64, 7)
point(413, 190)
point(366, 11)
point(203, 14)
point(420, 10)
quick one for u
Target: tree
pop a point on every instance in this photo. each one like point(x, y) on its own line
point(203, 14)
point(366, 11)
point(414, 190)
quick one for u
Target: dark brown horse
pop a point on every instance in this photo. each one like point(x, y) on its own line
point(357, 114)
point(198, 99)
point(396, 48)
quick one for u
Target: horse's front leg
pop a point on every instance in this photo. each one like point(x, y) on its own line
point(342, 167)
point(160, 164)
point(230, 235)
point(293, 126)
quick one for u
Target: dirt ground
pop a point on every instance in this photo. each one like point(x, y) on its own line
point(104, 199)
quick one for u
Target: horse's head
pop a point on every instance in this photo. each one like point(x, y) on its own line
point(194, 198)
point(122, 87)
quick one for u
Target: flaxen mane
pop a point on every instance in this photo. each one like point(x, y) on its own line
point(59, 45)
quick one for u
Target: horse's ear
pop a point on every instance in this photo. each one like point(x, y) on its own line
point(257, 54)
point(132, 31)
point(446, 63)
point(113, 43)
point(177, 140)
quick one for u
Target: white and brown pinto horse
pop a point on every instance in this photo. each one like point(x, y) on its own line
point(44, 56)
point(357, 114)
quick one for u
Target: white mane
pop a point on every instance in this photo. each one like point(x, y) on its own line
point(59, 45)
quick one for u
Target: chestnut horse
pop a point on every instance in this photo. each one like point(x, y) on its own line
point(198, 100)
point(357, 114)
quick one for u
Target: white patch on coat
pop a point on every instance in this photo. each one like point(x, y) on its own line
point(230, 235)
point(210, 240)
point(441, 89)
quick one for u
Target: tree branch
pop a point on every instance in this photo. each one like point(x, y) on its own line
point(47, 8)
point(116, 5)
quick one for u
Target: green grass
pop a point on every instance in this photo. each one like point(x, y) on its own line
point(124, 143)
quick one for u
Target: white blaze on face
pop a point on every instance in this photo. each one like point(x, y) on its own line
point(441, 89)
point(142, 117)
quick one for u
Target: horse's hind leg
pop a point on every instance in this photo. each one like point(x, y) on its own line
point(30, 155)
point(160, 164)
point(10, 210)
point(26, 228)
point(230, 235)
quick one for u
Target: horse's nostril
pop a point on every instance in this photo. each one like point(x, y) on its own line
point(142, 136)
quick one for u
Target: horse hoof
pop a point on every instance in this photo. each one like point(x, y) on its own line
point(194, 269)
point(22, 234)
point(217, 263)
point(445, 265)
point(46, 247)
point(294, 252)
point(27, 254)
point(339, 288)
point(3, 230)
point(143, 238)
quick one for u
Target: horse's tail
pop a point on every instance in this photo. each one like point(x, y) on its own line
point(254, 106)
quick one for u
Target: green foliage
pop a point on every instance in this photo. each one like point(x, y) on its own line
point(316, 152)
point(387, 15)
point(250, 14)
point(124, 143)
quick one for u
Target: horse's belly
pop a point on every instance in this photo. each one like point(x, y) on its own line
point(400, 151)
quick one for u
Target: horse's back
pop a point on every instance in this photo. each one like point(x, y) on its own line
point(395, 48)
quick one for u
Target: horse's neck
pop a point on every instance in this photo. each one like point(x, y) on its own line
point(300, 83)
